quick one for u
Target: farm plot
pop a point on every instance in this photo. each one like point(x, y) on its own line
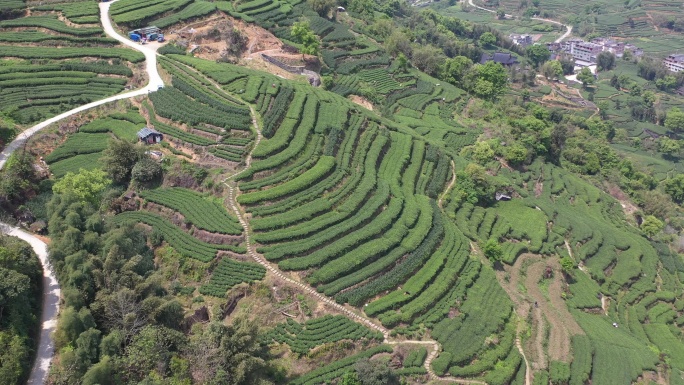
point(51, 23)
point(39, 37)
point(203, 212)
point(201, 115)
point(136, 14)
point(32, 92)
point(192, 11)
point(69, 53)
point(120, 126)
point(380, 80)
point(174, 104)
point(229, 273)
point(182, 242)
point(84, 148)
point(78, 12)
point(76, 163)
point(318, 331)
point(11, 5)
point(77, 144)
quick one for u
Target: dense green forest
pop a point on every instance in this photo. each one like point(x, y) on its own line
point(20, 293)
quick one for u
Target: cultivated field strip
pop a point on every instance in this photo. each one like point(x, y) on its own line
point(354, 254)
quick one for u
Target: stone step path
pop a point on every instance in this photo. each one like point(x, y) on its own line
point(233, 192)
point(252, 253)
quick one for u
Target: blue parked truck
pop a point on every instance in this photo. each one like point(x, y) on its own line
point(151, 33)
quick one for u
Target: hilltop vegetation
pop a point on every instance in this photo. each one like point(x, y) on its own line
point(466, 208)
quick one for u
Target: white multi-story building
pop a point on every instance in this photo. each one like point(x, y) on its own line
point(522, 40)
point(586, 51)
point(674, 62)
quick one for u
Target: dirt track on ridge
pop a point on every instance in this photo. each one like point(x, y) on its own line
point(522, 286)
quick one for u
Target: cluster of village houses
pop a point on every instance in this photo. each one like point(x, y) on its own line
point(585, 52)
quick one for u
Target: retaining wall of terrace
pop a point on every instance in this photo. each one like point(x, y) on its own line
point(314, 78)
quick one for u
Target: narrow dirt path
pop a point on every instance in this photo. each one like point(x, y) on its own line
point(518, 344)
point(449, 186)
point(552, 308)
point(234, 191)
point(542, 310)
point(559, 339)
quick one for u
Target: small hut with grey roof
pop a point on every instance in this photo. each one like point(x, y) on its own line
point(149, 135)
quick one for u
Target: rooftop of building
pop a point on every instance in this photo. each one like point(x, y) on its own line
point(676, 57)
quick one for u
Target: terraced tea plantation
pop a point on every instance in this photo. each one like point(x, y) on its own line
point(229, 273)
point(372, 216)
point(139, 14)
point(318, 331)
point(82, 150)
point(203, 213)
point(39, 80)
point(350, 200)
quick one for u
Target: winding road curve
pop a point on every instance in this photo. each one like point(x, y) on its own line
point(155, 81)
point(51, 289)
point(50, 307)
point(568, 28)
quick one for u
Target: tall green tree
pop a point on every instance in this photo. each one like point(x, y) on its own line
point(675, 188)
point(552, 69)
point(651, 226)
point(119, 158)
point(454, 70)
point(18, 176)
point(375, 372)
point(605, 61)
point(538, 54)
point(675, 119)
point(87, 185)
point(491, 80)
point(492, 250)
point(586, 77)
point(221, 354)
point(487, 39)
point(302, 33)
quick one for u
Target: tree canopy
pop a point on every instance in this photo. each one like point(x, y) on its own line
point(119, 158)
point(86, 185)
point(302, 33)
point(538, 54)
point(675, 119)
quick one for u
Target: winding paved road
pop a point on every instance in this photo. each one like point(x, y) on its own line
point(50, 308)
point(155, 81)
point(568, 28)
point(51, 289)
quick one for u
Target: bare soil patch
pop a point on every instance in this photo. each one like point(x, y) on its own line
point(542, 310)
point(360, 100)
